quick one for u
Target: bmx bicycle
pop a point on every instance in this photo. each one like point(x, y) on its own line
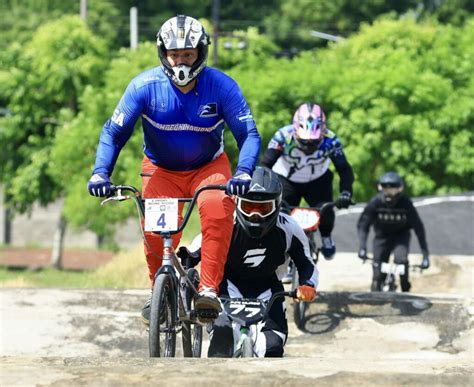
point(308, 218)
point(175, 288)
point(392, 270)
point(248, 313)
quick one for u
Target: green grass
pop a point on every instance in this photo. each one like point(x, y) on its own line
point(127, 269)
point(44, 278)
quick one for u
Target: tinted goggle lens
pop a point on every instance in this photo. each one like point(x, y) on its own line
point(262, 209)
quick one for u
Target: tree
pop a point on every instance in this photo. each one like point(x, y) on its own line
point(344, 17)
point(51, 72)
point(399, 95)
point(82, 134)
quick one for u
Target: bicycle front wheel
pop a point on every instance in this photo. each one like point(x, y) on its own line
point(247, 347)
point(162, 333)
point(191, 332)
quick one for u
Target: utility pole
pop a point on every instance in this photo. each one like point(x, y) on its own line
point(133, 28)
point(216, 5)
point(83, 9)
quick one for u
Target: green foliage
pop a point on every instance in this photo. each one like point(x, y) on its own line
point(51, 72)
point(399, 95)
point(344, 17)
point(244, 48)
point(22, 17)
point(82, 135)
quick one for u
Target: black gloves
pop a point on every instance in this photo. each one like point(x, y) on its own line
point(344, 200)
point(425, 263)
point(363, 254)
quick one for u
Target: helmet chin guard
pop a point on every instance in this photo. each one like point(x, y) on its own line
point(180, 33)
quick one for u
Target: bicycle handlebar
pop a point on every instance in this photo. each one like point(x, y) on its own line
point(117, 190)
point(410, 266)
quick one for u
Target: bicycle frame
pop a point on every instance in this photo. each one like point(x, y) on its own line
point(172, 282)
point(170, 259)
point(392, 270)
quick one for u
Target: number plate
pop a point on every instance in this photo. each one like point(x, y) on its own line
point(306, 218)
point(161, 214)
point(389, 268)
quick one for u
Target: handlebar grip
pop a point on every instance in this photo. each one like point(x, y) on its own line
point(293, 293)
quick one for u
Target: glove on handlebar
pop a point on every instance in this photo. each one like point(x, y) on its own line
point(425, 263)
point(344, 200)
point(305, 293)
point(99, 185)
point(362, 254)
point(239, 183)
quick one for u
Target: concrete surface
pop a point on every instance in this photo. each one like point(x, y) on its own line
point(58, 337)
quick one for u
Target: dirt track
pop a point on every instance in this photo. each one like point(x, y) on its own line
point(60, 337)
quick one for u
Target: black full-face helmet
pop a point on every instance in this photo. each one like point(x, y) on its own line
point(391, 185)
point(257, 211)
point(182, 32)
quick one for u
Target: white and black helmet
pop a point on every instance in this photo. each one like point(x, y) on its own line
point(257, 210)
point(182, 32)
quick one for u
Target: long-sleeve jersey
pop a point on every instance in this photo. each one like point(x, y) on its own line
point(255, 265)
point(390, 219)
point(285, 158)
point(181, 131)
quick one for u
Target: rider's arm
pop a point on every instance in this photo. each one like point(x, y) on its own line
point(300, 254)
point(274, 150)
point(417, 225)
point(365, 220)
point(239, 118)
point(117, 130)
point(343, 168)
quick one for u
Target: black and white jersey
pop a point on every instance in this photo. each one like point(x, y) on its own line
point(255, 265)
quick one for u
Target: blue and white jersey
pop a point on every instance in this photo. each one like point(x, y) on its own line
point(298, 167)
point(181, 131)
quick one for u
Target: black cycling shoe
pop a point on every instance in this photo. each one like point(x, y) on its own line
point(208, 306)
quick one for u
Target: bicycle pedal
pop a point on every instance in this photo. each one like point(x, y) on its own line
point(207, 315)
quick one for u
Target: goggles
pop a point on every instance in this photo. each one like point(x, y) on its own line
point(250, 207)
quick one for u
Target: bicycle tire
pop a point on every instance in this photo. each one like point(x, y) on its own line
point(247, 347)
point(392, 285)
point(163, 312)
point(191, 333)
point(299, 308)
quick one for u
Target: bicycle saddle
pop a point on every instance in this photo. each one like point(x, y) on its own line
point(188, 258)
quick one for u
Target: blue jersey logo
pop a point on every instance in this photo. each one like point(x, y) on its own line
point(208, 110)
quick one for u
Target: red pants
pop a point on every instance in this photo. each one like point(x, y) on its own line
point(215, 211)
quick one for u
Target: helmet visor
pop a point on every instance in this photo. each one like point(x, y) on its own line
point(256, 209)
